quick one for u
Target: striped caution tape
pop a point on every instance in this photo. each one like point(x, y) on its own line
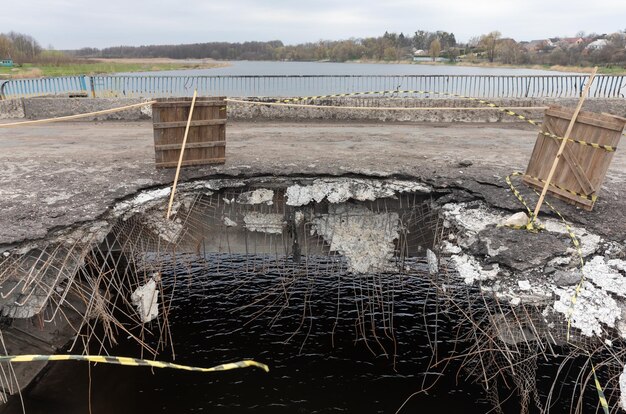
point(601, 396)
point(579, 252)
point(534, 227)
point(507, 111)
point(579, 285)
point(607, 148)
point(531, 225)
point(132, 362)
point(592, 197)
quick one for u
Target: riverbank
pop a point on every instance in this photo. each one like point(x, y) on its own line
point(484, 64)
point(95, 66)
point(556, 68)
point(102, 66)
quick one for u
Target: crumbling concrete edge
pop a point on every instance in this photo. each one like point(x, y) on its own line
point(485, 253)
point(481, 251)
point(12, 109)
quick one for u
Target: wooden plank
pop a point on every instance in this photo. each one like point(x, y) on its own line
point(571, 160)
point(570, 127)
point(182, 154)
point(180, 124)
point(188, 104)
point(170, 164)
point(569, 198)
point(206, 140)
point(594, 163)
point(168, 147)
point(589, 118)
point(620, 118)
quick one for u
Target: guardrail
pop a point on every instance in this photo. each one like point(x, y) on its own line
point(63, 85)
point(153, 86)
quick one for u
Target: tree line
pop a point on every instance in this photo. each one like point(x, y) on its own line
point(19, 47)
point(491, 47)
point(390, 46)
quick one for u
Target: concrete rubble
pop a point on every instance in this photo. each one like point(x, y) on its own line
point(364, 238)
point(547, 273)
point(146, 299)
point(265, 222)
point(259, 196)
point(514, 265)
point(339, 191)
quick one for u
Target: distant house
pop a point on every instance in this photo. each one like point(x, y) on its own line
point(539, 45)
point(597, 44)
point(570, 41)
point(7, 63)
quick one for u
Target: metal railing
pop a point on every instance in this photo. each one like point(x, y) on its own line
point(479, 86)
point(63, 85)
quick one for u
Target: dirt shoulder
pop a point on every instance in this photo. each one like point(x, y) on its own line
point(58, 175)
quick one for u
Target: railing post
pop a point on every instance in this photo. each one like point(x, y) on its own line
point(93, 86)
point(83, 83)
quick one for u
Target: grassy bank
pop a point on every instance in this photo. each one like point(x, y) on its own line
point(101, 66)
point(614, 70)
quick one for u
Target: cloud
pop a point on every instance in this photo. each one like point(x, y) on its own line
point(74, 24)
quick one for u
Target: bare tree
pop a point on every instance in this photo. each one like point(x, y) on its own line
point(435, 49)
point(489, 43)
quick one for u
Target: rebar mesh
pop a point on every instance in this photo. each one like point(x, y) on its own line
point(500, 345)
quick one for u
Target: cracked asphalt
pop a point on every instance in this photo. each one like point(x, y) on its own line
point(58, 175)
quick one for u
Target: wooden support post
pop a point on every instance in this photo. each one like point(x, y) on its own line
point(562, 147)
point(182, 153)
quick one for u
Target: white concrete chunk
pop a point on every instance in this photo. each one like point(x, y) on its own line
point(145, 298)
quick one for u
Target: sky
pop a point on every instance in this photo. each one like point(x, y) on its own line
point(72, 24)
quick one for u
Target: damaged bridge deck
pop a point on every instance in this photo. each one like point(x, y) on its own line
point(69, 188)
point(58, 175)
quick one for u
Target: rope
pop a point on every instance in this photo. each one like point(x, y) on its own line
point(490, 105)
point(369, 108)
point(77, 116)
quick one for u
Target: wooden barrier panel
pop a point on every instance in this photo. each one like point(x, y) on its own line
point(206, 142)
point(582, 168)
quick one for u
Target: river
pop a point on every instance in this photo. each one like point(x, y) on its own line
point(262, 68)
point(328, 345)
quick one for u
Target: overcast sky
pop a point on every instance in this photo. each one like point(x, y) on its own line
point(70, 24)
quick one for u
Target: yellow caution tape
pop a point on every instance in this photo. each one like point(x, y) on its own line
point(132, 362)
point(592, 197)
point(507, 111)
point(533, 227)
point(601, 397)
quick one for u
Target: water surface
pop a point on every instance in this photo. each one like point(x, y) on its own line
point(239, 68)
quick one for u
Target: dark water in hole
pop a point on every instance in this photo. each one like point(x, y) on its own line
point(326, 338)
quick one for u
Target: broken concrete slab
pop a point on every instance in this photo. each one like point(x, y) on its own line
point(519, 249)
point(363, 237)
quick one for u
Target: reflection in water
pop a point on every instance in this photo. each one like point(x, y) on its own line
point(334, 343)
point(256, 68)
